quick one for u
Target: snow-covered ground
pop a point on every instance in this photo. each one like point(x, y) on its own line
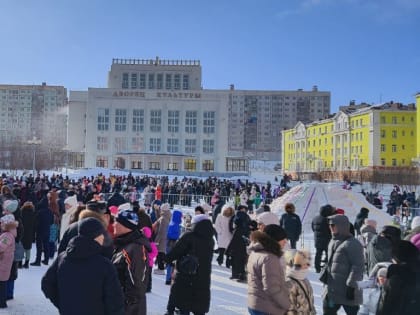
point(228, 297)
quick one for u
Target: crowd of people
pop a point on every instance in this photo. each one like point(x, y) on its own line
point(101, 247)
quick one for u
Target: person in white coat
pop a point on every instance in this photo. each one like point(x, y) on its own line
point(70, 205)
point(224, 234)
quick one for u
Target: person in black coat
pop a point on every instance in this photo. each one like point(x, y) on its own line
point(401, 291)
point(360, 219)
point(291, 223)
point(81, 281)
point(28, 222)
point(191, 292)
point(322, 234)
point(44, 220)
point(116, 199)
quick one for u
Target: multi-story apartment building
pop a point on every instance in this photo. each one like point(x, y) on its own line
point(154, 114)
point(355, 138)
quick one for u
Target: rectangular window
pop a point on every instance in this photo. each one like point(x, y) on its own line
point(137, 144)
point(135, 164)
point(154, 166)
point(101, 161)
point(168, 81)
point(383, 162)
point(383, 120)
point(177, 81)
point(120, 120)
point(120, 144)
point(394, 120)
point(190, 146)
point(159, 81)
point(173, 121)
point(190, 164)
point(208, 165)
point(383, 148)
point(102, 144)
point(185, 82)
point(172, 166)
point(155, 120)
point(124, 84)
point(394, 162)
point(236, 165)
point(134, 80)
point(151, 80)
point(154, 145)
point(191, 121)
point(172, 146)
point(394, 133)
point(103, 119)
point(208, 122)
point(394, 148)
point(208, 146)
point(138, 120)
point(142, 83)
point(383, 133)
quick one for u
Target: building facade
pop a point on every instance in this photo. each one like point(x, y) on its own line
point(155, 115)
point(353, 139)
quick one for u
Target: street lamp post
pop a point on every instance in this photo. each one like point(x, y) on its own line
point(33, 143)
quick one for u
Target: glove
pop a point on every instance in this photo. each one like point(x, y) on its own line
point(350, 293)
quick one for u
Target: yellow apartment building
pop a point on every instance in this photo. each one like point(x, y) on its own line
point(358, 137)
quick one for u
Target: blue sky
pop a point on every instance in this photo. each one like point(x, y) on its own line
point(366, 50)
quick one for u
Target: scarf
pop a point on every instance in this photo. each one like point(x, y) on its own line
point(300, 274)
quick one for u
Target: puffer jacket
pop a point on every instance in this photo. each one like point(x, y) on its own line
point(320, 228)
point(347, 264)
point(267, 289)
point(160, 228)
point(7, 250)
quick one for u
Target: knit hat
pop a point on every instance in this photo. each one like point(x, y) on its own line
point(382, 272)
point(156, 202)
point(268, 218)
point(339, 211)
point(406, 252)
point(416, 222)
point(90, 227)
point(8, 218)
point(416, 240)
point(10, 205)
point(71, 201)
point(128, 218)
point(97, 206)
point(276, 232)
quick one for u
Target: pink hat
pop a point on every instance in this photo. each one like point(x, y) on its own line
point(416, 240)
point(113, 210)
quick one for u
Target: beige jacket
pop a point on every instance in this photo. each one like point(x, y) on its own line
point(267, 289)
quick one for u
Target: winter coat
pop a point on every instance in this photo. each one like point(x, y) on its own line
point(321, 229)
point(28, 222)
point(267, 289)
point(81, 281)
point(152, 254)
point(378, 250)
point(224, 235)
point(217, 210)
point(401, 291)
point(44, 219)
point(160, 228)
point(291, 223)
point(65, 220)
point(192, 292)
point(130, 258)
point(360, 219)
point(107, 248)
point(299, 304)
point(7, 251)
point(347, 265)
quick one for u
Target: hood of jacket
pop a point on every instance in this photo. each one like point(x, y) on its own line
point(132, 237)
point(81, 247)
point(326, 210)
point(203, 229)
point(176, 217)
point(367, 229)
point(262, 242)
point(342, 224)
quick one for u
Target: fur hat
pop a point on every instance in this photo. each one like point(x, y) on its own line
point(415, 223)
point(71, 201)
point(199, 217)
point(10, 205)
point(128, 218)
point(297, 258)
point(7, 219)
point(90, 227)
point(275, 231)
point(97, 206)
point(268, 218)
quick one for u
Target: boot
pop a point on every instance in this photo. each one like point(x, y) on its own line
point(19, 265)
point(45, 262)
point(37, 262)
point(26, 264)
